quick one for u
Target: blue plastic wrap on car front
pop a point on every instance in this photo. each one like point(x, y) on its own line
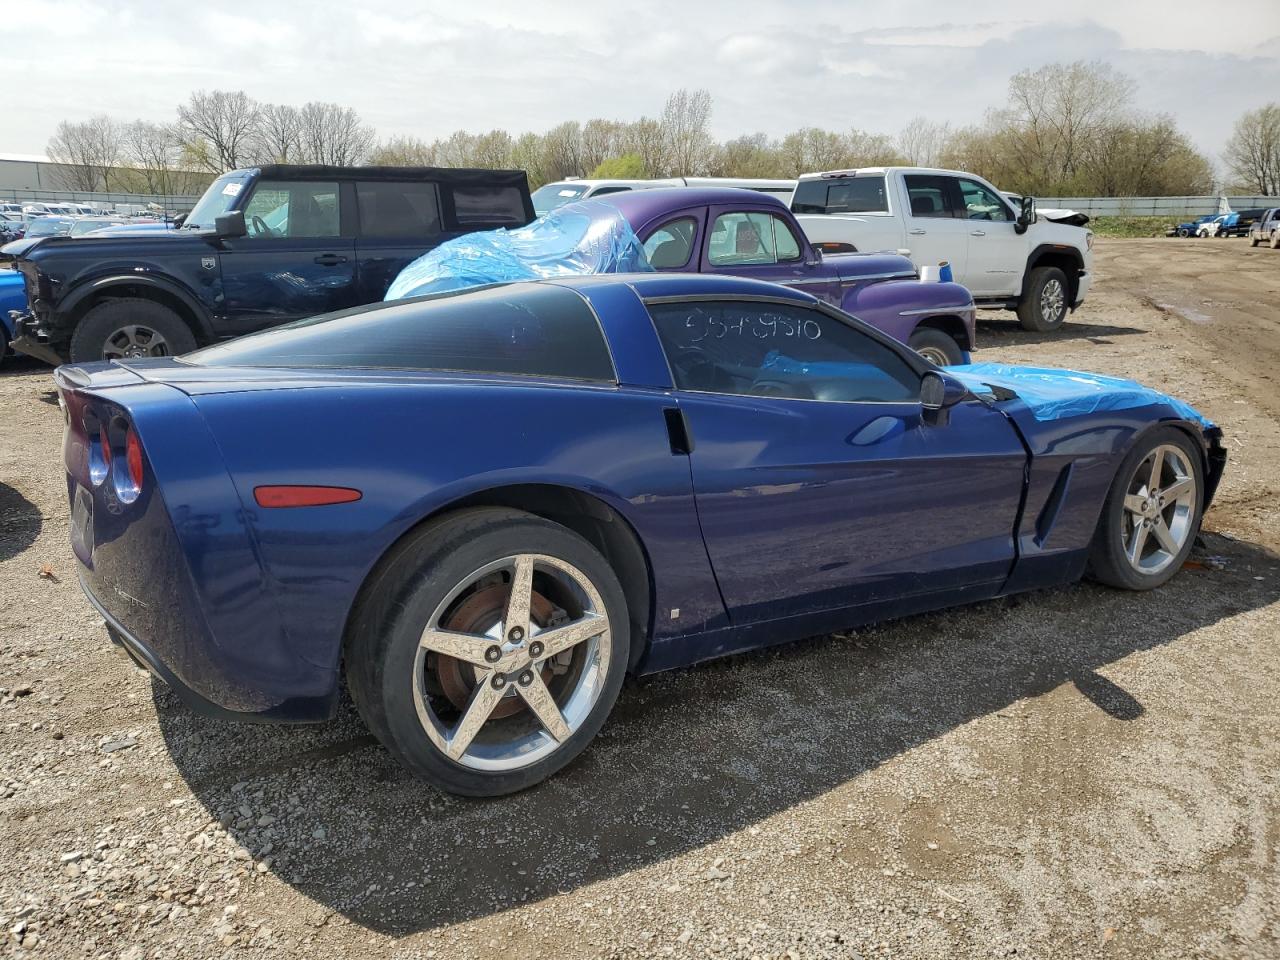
point(580, 238)
point(1054, 394)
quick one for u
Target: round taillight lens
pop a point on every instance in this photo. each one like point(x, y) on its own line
point(133, 457)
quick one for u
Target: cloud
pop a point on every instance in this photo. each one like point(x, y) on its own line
point(428, 69)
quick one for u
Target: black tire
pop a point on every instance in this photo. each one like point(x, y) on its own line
point(1107, 560)
point(935, 346)
point(98, 333)
point(1254, 240)
point(1275, 240)
point(1032, 313)
point(383, 637)
point(1184, 232)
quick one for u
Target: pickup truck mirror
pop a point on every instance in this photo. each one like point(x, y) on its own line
point(938, 394)
point(230, 225)
point(1027, 215)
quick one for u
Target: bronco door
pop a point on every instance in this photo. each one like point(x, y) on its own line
point(818, 485)
point(296, 260)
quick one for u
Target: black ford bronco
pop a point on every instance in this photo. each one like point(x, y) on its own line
point(262, 246)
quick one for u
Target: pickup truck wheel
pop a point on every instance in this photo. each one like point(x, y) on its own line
point(1254, 240)
point(1044, 308)
point(1275, 240)
point(1152, 513)
point(489, 651)
point(130, 327)
point(936, 347)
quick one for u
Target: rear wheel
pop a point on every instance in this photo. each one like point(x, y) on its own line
point(489, 651)
point(1254, 240)
point(1152, 513)
point(1184, 232)
point(1044, 307)
point(936, 347)
point(130, 327)
point(1275, 240)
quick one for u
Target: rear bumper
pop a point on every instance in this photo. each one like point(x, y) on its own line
point(142, 655)
point(147, 658)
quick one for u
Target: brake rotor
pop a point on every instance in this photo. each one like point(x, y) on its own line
point(477, 614)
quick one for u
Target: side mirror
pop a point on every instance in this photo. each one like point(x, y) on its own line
point(938, 394)
point(230, 225)
point(1026, 215)
point(179, 220)
point(815, 257)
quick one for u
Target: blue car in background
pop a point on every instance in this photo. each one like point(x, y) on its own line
point(13, 296)
point(485, 508)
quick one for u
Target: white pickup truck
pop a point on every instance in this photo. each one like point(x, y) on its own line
point(1008, 256)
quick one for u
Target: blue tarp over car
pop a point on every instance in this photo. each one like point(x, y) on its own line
point(581, 238)
point(1054, 394)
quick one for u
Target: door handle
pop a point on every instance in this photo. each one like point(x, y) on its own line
point(330, 259)
point(917, 232)
point(977, 233)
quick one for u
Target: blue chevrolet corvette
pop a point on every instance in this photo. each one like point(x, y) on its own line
point(485, 508)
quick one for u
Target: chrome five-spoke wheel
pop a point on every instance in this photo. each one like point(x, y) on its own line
point(488, 649)
point(1159, 509)
point(511, 662)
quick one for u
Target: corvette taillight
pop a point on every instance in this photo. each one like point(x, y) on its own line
point(105, 442)
point(133, 457)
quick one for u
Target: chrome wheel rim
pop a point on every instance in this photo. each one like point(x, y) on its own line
point(935, 356)
point(1052, 300)
point(514, 715)
point(134, 341)
point(1159, 508)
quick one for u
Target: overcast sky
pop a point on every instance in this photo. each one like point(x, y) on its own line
point(771, 66)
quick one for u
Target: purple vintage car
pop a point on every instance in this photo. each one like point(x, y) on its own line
point(712, 230)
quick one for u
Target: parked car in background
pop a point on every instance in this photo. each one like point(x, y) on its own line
point(87, 225)
point(262, 246)
point(1221, 225)
point(11, 227)
point(13, 297)
point(552, 195)
point(11, 210)
point(712, 230)
point(1008, 258)
point(482, 510)
point(47, 226)
point(1188, 228)
point(1266, 228)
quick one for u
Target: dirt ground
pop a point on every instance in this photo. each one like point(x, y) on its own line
point(1072, 773)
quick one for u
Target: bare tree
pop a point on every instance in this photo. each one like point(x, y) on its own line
point(404, 152)
point(645, 139)
point(601, 139)
point(334, 135)
point(279, 134)
point(922, 141)
point(457, 150)
point(219, 127)
point(684, 127)
point(562, 151)
point(153, 150)
point(492, 150)
point(1253, 153)
point(88, 152)
point(528, 153)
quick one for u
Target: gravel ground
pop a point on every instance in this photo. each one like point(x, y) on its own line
point(1074, 772)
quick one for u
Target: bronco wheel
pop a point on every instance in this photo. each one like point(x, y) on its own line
point(130, 327)
point(1044, 308)
point(489, 651)
point(1152, 513)
point(936, 347)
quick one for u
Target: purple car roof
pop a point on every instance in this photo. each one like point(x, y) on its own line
point(641, 206)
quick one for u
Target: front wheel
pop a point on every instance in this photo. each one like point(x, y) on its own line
point(936, 347)
point(1184, 232)
point(129, 328)
point(1044, 307)
point(1152, 513)
point(489, 651)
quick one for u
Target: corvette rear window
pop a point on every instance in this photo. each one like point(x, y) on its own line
point(525, 329)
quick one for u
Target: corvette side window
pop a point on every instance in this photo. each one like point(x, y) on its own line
point(778, 350)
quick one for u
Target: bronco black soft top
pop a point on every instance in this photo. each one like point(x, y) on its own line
point(458, 175)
